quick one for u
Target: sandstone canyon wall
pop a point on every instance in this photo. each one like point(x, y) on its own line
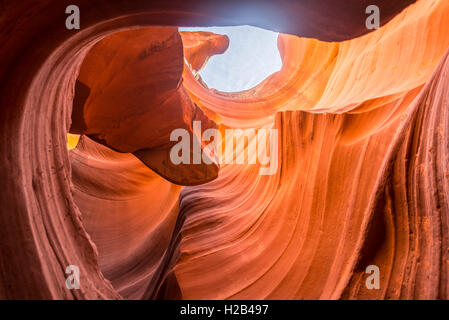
point(362, 153)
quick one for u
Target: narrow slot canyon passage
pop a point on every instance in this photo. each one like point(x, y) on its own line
point(225, 151)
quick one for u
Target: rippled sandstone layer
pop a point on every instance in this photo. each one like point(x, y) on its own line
point(363, 154)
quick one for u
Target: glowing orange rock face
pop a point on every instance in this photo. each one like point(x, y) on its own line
point(363, 165)
point(200, 46)
point(129, 97)
point(134, 78)
point(123, 231)
point(363, 156)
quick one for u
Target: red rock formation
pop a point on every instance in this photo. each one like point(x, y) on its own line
point(352, 160)
point(363, 153)
point(200, 46)
point(132, 79)
point(116, 194)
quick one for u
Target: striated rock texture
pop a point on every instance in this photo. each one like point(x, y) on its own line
point(362, 178)
point(116, 194)
point(363, 153)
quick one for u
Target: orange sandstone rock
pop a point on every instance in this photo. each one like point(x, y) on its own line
point(363, 153)
point(129, 97)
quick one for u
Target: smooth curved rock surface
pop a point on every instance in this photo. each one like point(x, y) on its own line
point(129, 97)
point(363, 154)
point(116, 194)
point(353, 158)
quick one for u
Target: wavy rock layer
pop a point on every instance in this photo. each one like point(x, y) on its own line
point(358, 151)
point(363, 153)
point(115, 192)
point(354, 205)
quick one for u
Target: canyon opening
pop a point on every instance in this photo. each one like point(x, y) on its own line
point(252, 56)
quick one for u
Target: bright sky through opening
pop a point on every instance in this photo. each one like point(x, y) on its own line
point(252, 56)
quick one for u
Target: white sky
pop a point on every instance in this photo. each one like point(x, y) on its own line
point(251, 57)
